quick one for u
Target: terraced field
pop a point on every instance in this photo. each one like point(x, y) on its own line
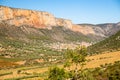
point(39, 73)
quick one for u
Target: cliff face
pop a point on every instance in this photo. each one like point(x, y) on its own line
point(63, 22)
point(37, 19)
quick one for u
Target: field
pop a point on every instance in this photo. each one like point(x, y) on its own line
point(39, 73)
point(102, 59)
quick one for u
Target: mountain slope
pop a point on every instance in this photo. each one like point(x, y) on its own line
point(34, 27)
point(44, 20)
point(110, 28)
point(110, 44)
point(103, 30)
point(27, 33)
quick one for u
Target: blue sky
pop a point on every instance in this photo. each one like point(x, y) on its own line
point(79, 11)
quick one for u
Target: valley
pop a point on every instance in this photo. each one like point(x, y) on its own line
point(31, 42)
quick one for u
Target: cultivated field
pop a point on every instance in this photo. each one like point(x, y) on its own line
point(38, 73)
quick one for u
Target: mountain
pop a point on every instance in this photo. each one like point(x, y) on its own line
point(29, 25)
point(37, 19)
point(110, 28)
point(27, 35)
point(109, 44)
point(105, 30)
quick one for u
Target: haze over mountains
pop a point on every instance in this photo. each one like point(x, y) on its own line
point(21, 24)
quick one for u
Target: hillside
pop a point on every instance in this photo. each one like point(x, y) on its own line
point(29, 35)
point(43, 20)
point(110, 28)
point(110, 44)
point(29, 43)
point(105, 30)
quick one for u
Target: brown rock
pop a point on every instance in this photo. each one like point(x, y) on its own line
point(37, 19)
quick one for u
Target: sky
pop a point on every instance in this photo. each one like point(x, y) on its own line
point(79, 11)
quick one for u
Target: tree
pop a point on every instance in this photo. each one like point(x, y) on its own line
point(56, 73)
point(76, 57)
point(72, 57)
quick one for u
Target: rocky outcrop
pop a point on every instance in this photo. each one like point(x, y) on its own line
point(39, 19)
point(83, 29)
point(64, 22)
point(19, 17)
point(109, 28)
point(89, 30)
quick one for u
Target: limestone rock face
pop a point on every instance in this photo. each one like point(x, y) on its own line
point(89, 30)
point(64, 22)
point(37, 19)
point(83, 29)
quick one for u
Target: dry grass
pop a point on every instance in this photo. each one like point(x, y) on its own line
point(93, 61)
point(4, 64)
point(101, 59)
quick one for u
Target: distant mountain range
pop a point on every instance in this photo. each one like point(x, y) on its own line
point(28, 25)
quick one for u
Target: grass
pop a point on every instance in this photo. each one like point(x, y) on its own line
point(94, 61)
point(6, 73)
point(23, 77)
point(5, 64)
point(100, 59)
point(10, 59)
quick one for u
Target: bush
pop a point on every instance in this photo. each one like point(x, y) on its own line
point(56, 73)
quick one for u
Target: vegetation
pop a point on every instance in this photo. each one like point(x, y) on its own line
point(18, 44)
point(77, 57)
point(72, 57)
point(33, 48)
point(89, 74)
point(110, 44)
point(56, 73)
point(107, 72)
point(24, 77)
point(6, 73)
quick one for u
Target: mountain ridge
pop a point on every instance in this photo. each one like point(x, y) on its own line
point(38, 19)
point(44, 20)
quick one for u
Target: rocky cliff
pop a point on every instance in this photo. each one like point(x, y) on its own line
point(39, 19)
point(19, 17)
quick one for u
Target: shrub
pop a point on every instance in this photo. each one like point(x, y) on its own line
point(56, 73)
